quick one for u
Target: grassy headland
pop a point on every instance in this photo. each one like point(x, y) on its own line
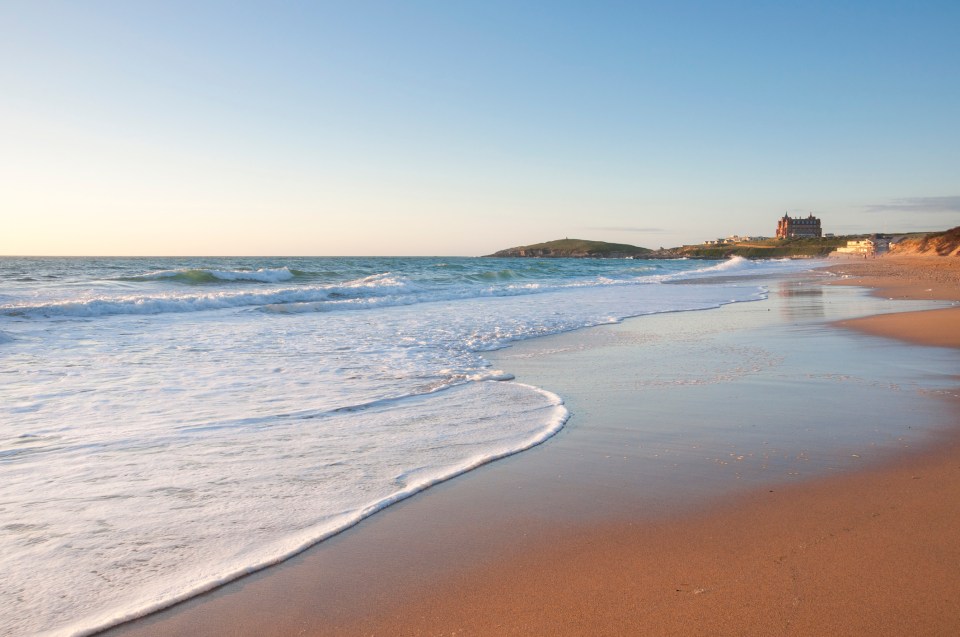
point(760, 249)
point(576, 248)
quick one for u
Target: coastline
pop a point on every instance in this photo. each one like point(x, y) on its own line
point(550, 542)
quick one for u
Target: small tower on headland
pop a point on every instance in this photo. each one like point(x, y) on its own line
point(795, 227)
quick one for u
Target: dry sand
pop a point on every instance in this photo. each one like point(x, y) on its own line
point(869, 552)
point(916, 277)
point(908, 278)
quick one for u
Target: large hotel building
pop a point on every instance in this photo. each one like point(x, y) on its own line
point(789, 227)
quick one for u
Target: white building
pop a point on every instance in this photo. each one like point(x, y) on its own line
point(864, 247)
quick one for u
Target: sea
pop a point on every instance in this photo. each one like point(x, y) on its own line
point(170, 424)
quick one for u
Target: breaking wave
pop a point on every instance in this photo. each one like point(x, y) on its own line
point(741, 266)
point(194, 276)
point(371, 287)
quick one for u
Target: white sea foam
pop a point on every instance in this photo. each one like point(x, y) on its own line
point(221, 492)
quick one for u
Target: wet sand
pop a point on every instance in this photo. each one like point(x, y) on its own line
point(908, 278)
point(738, 471)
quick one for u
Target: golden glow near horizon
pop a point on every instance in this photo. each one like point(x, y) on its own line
point(446, 130)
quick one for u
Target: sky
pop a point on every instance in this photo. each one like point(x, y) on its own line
point(461, 128)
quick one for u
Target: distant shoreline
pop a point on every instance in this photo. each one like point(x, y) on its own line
point(938, 243)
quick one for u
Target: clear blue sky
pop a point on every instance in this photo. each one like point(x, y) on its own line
point(465, 127)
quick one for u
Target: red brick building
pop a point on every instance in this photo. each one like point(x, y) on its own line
point(790, 227)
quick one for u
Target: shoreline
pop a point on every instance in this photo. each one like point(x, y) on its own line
point(907, 278)
point(536, 569)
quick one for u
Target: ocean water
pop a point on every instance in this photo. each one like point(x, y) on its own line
point(167, 425)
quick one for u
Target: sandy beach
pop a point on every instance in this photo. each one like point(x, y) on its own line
point(914, 277)
point(807, 489)
point(331, 319)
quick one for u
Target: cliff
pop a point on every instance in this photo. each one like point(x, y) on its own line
point(944, 244)
point(575, 248)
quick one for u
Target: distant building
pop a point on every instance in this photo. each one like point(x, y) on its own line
point(734, 238)
point(790, 227)
point(864, 247)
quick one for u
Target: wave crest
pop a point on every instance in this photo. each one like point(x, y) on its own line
point(741, 266)
point(368, 289)
point(200, 275)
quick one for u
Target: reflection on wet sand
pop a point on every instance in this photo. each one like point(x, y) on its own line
point(802, 300)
